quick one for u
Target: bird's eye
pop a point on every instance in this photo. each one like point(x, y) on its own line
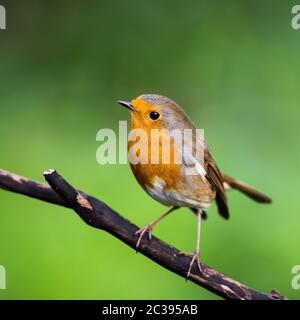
point(154, 115)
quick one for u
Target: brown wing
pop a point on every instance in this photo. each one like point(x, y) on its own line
point(214, 175)
point(215, 178)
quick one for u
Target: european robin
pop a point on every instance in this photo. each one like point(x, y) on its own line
point(167, 182)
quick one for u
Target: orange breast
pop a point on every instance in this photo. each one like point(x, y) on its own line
point(156, 149)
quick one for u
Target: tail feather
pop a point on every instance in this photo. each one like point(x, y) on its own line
point(247, 190)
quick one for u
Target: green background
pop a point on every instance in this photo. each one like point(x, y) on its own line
point(234, 66)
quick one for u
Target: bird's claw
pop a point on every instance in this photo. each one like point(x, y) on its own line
point(141, 232)
point(195, 258)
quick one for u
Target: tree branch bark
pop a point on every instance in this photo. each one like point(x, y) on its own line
point(97, 214)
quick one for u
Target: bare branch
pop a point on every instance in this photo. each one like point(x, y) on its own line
point(97, 214)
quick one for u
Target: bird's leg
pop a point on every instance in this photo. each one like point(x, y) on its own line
point(148, 229)
point(196, 255)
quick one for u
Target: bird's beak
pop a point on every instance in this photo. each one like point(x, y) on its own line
point(127, 104)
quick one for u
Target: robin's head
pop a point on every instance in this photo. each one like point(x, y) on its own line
point(153, 111)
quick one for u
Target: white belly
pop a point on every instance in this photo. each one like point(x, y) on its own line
point(171, 197)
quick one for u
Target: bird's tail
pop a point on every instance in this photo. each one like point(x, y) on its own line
point(233, 183)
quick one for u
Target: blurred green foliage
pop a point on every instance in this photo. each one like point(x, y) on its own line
point(234, 66)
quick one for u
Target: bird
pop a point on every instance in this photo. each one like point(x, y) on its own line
point(169, 182)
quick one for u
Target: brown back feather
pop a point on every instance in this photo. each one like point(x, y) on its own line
point(215, 178)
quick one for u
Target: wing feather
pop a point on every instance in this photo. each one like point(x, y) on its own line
point(214, 176)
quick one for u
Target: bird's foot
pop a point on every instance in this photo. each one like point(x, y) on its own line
point(195, 258)
point(141, 232)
